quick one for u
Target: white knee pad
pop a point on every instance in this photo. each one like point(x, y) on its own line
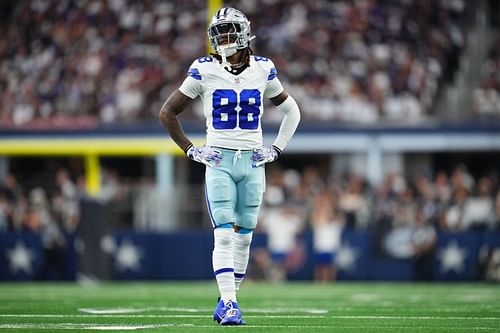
point(223, 238)
point(242, 240)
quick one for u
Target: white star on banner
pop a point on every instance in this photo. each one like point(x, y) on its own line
point(346, 257)
point(20, 258)
point(128, 256)
point(452, 258)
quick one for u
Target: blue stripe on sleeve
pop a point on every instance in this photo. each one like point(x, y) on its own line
point(194, 73)
point(272, 74)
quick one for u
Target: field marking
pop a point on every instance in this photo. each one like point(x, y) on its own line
point(88, 326)
point(31, 315)
point(124, 327)
point(153, 316)
point(112, 311)
point(285, 310)
point(180, 309)
point(112, 327)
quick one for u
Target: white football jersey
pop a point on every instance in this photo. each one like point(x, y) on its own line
point(232, 104)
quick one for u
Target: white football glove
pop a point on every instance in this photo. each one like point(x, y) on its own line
point(204, 154)
point(264, 155)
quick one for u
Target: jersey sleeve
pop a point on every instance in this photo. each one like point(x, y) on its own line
point(192, 85)
point(273, 87)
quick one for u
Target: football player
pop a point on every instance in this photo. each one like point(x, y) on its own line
point(232, 84)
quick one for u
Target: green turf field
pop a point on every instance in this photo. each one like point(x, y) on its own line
point(292, 307)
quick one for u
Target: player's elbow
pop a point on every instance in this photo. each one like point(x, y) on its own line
point(163, 114)
point(290, 108)
point(296, 112)
point(167, 117)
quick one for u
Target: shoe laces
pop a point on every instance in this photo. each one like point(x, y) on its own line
point(231, 313)
point(230, 310)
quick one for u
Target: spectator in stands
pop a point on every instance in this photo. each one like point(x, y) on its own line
point(326, 223)
point(487, 100)
point(406, 209)
point(283, 224)
point(14, 202)
point(443, 188)
point(40, 220)
point(453, 219)
point(425, 197)
point(5, 213)
point(39, 213)
point(353, 204)
point(110, 185)
point(424, 240)
point(65, 202)
point(460, 177)
point(487, 95)
point(479, 208)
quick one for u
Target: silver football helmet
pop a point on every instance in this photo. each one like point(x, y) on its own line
point(229, 31)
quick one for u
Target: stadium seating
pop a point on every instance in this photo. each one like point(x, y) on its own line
point(108, 62)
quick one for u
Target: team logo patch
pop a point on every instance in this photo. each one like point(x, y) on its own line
point(237, 80)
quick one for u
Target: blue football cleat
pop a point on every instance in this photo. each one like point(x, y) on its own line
point(232, 314)
point(219, 311)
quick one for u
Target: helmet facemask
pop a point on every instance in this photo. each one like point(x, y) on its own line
point(224, 38)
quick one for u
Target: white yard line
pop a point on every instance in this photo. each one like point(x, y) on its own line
point(179, 309)
point(110, 327)
point(147, 316)
point(87, 326)
point(32, 315)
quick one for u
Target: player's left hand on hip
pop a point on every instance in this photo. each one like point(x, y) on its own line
point(205, 154)
point(264, 155)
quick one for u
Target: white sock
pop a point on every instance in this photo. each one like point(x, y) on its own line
point(241, 251)
point(223, 263)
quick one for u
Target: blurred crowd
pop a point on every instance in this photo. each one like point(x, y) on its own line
point(487, 95)
point(100, 61)
point(361, 61)
point(403, 214)
point(41, 208)
point(53, 206)
point(75, 63)
point(78, 64)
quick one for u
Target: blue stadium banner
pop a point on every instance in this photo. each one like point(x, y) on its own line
point(457, 256)
point(187, 255)
point(24, 257)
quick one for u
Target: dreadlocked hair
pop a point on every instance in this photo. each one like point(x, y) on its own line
point(246, 56)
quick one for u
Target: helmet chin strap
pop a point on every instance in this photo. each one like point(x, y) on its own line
point(228, 50)
point(225, 64)
point(224, 52)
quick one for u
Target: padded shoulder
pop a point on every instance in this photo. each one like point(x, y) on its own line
point(267, 65)
point(201, 66)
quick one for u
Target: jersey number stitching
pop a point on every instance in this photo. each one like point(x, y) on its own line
point(228, 112)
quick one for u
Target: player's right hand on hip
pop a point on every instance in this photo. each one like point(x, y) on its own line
point(205, 154)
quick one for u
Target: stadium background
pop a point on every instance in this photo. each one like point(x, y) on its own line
point(398, 147)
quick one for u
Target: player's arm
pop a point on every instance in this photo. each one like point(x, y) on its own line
point(291, 118)
point(286, 104)
point(174, 105)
